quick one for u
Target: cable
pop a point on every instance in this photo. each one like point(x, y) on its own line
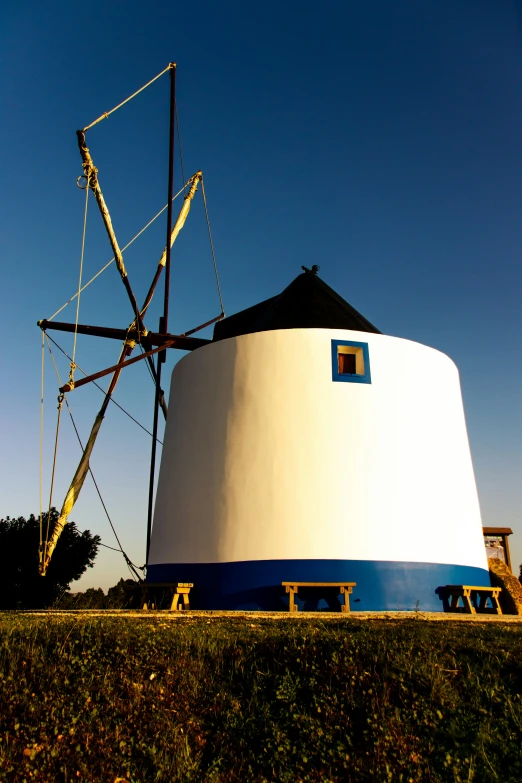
point(130, 565)
point(102, 390)
point(60, 403)
point(71, 374)
point(148, 368)
point(109, 547)
point(211, 244)
point(179, 148)
point(106, 114)
point(107, 265)
point(140, 568)
point(41, 442)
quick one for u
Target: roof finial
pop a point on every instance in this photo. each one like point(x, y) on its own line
point(313, 271)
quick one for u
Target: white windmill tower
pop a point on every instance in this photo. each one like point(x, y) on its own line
point(303, 444)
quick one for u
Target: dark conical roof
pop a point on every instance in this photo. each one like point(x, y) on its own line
point(307, 303)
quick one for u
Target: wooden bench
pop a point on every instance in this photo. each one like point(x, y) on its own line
point(180, 590)
point(473, 598)
point(344, 587)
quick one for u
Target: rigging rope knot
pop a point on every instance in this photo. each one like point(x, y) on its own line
point(135, 329)
point(73, 366)
point(89, 177)
point(61, 398)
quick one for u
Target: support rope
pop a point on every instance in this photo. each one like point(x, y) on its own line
point(40, 549)
point(107, 265)
point(82, 254)
point(211, 244)
point(148, 368)
point(102, 390)
point(114, 550)
point(60, 403)
point(106, 114)
point(140, 568)
point(130, 565)
point(180, 150)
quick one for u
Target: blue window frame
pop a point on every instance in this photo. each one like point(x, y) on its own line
point(350, 362)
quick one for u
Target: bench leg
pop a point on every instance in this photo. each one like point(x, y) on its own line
point(346, 606)
point(468, 606)
point(174, 605)
point(186, 603)
point(292, 606)
point(496, 604)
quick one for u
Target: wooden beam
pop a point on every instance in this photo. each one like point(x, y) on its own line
point(154, 338)
point(116, 368)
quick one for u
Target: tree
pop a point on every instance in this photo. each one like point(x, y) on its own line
point(21, 586)
point(124, 595)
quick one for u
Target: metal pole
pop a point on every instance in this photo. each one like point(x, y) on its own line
point(164, 321)
point(153, 456)
point(171, 190)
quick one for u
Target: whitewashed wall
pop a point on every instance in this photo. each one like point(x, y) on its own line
point(265, 457)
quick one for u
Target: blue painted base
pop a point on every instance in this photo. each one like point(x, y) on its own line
point(256, 584)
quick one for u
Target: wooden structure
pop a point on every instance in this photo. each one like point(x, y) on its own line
point(474, 598)
point(344, 587)
point(179, 590)
point(152, 344)
point(497, 544)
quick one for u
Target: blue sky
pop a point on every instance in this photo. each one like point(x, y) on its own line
point(380, 140)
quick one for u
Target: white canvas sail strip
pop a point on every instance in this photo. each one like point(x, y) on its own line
point(183, 214)
point(73, 492)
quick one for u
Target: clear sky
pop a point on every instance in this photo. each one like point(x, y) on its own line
point(381, 140)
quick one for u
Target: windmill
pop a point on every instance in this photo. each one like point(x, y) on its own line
point(302, 445)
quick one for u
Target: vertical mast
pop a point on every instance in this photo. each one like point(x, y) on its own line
point(171, 194)
point(164, 320)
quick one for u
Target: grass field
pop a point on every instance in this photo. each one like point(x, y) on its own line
point(209, 698)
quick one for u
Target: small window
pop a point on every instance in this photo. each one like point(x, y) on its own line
point(350, 362)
